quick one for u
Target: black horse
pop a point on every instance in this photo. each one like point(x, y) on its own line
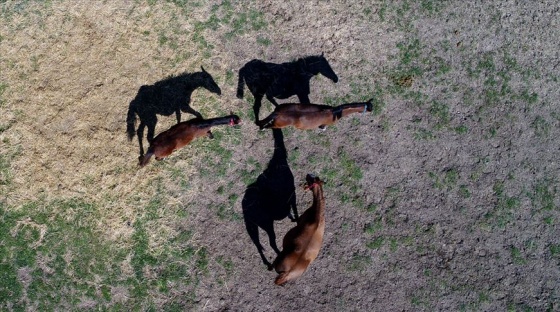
point(165, 97)
point(272, 197)
point(282, 80)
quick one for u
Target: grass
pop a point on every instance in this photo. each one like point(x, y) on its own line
point(446, 180)
point(358, 262)
point(543, 195)
point(505, 208)
point(59, 244)
point(346, 172)
point(3, 88)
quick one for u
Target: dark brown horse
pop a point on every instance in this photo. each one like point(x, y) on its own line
point(311, 116)
point(165, 97)
point(182, 134)
point(282, 80)
point(302, 243)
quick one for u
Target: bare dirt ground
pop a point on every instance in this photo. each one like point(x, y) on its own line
point(444, 198)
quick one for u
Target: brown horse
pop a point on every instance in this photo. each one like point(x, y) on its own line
point(182, 134)
point(302, 243)
point(311, 116)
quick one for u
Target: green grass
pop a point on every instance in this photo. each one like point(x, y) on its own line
point(376, 243)
point(374, 227)
point(541, 126)
point(543, 195)
point(346, 172)
point(358, 263)
point(446, 180)
point(59, 244)
point(505, 208)
point(517, 256)
point(554, 250)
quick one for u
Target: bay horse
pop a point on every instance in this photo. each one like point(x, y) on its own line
point(302, 243)
point(311, 116)
point(182, 134)
point(165, 97)
point(282, 80)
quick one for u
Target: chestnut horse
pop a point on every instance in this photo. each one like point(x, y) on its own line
point(302, 243)
point(282, 80)
point(311, 116)
point(182, 134)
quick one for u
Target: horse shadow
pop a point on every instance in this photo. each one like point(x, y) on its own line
point(165, 97)
point(270, 198)
point(282, 80)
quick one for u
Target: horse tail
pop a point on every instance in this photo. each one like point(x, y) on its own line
point(144, 160)
point(241, 83)
point(131, 119)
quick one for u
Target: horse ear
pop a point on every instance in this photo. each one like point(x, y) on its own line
point(322, 54)
point(202, 68)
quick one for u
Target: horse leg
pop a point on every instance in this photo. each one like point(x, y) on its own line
point(210, 135)
point(272, 100)
point(269, 229)
point(257, 106)
point(140, 134)
point(267, 122)
point(253, 231)
point(151, 124)
point(190, 110)
point(303, 98)
point(178, 114)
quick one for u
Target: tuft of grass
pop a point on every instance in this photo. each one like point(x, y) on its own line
point(264, 41)
point(461, 129)
point(447, 180)
point(373, 227)
point(376, 243)
point(441, 113)
point(358, 263)
point(540, 126)
point(554, 250)
point(543, 195)
point(503, 212)
point(517, 256)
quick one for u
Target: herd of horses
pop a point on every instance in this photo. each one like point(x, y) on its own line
point(302, 243)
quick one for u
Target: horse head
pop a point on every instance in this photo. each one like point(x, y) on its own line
point(312, 180)
point(234, 120)
point(207, 81)
point(320, 65)
point(369, 105)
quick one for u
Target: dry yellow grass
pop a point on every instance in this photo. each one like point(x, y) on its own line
point(71, 70)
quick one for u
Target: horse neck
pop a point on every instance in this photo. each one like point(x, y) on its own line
point(279, 147)
point(193, 81)
point(303, 66)
point(318, 202)
point(208, 123)
point(347, 109)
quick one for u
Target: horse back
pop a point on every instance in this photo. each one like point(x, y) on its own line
point(161, 99)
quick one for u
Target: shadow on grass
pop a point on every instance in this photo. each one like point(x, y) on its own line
point(282, 80)
point(165, 97)
point(270, 198)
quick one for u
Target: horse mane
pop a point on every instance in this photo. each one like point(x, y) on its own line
point(308, 59)
point(179, 77)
